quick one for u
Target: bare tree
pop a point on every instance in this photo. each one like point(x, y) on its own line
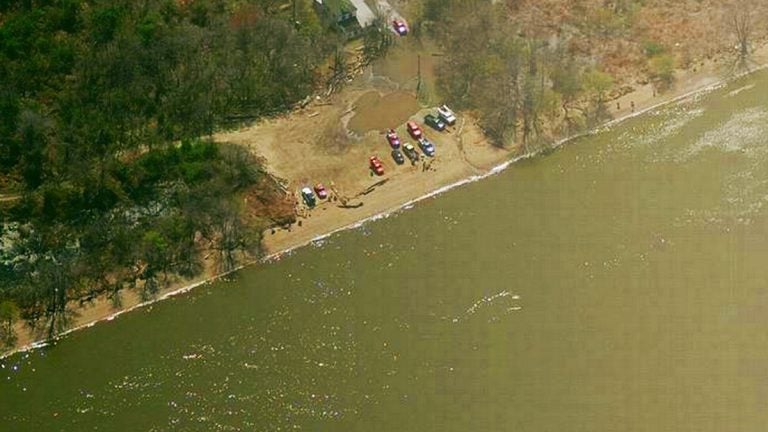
point(233, 239)
point(9, 313)
point(740, 21)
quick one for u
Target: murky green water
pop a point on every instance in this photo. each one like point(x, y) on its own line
point(616, 285)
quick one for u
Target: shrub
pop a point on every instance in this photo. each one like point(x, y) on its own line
point(662, 69)
point(654, 49)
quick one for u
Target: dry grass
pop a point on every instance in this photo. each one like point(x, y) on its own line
point(690, 30)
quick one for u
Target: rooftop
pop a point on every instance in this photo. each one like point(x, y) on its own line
point(338, 7)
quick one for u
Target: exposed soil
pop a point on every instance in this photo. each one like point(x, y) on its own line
point(266, 203)
point(376, 113)
point(404, 61)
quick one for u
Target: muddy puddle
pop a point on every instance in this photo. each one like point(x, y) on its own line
point(374, 112)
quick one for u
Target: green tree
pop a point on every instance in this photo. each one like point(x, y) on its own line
point(567, 80)
point(597, 84)
point(95, 98)
point(662, 70)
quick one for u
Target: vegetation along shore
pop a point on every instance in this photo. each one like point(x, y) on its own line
point(148, 147)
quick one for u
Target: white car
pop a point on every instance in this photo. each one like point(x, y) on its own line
point(446, 114)
point(308, 196)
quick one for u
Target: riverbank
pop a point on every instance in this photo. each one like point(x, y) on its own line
point(463, 156)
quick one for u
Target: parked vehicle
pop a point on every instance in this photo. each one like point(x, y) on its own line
point(397, 155)
point(400, 27)
point(376, 165)
point(411, 152)
point(320, 191)
point(446, 114)
point(434, 122)
point(414, 130)
point(308, 196)
point(427, 147)
point(393, 139)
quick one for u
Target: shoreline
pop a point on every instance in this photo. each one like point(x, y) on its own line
point(698, 83)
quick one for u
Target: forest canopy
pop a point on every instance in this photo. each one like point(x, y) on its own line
point(105, 106)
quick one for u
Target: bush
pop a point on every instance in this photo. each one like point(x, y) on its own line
point(653, 49)
point(662, 69)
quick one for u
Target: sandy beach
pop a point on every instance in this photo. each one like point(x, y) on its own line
point(314, 144)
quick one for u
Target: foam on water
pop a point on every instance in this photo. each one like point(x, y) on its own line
point(488, 301)
point(740, 89)
point(744, 132)
point(662, 125)
point(745, 187)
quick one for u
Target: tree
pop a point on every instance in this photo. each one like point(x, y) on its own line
point(740, 22)
point(240, 167)
point(95, 98)
point(53, 281)
point(662, 69)
point(9, 313)
point(377, 39)
point(154, 259)
point(532, 92)
point(233, 237)
point(567, 80)
point(597, 84)
point(34, 130)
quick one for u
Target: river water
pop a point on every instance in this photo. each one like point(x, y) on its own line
point(618, 284)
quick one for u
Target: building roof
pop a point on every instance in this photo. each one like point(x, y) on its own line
point(338, 7)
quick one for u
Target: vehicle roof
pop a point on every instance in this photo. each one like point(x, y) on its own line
point(306, 190)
